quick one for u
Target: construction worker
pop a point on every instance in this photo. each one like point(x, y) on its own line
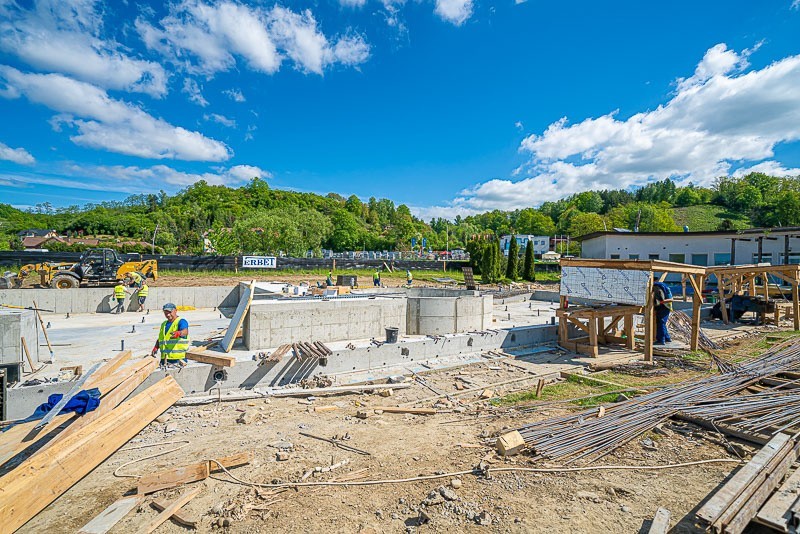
point(662, 307)
point(135, 278)
point(173, 338)
point(143, 291)
point(376, 278)
point(119, 296)
point(409, 277)
point(329, 280)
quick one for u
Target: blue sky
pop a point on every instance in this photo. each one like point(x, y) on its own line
point(449, 106)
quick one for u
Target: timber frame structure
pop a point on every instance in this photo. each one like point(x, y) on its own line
point(735, 279)
point(600, 332)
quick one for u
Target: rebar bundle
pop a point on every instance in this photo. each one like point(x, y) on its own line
point(588, 436)
point(681, 324)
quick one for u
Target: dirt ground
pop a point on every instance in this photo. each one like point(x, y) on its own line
point(401, 446)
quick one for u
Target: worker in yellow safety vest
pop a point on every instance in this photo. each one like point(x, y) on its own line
point(173, 338)
point(143, 291)
point(119, 296)
point(135, 278)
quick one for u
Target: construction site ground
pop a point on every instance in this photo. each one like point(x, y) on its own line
point(456, 439)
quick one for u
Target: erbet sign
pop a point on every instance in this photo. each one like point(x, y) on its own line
point(259, 262)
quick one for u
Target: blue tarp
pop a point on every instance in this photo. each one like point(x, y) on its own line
point(86, 400)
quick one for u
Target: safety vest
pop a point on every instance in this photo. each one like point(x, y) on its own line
point(143, 290)
point(119, 291)
point(136, 277)
point(172, 349)
point(410, 276)
point(376, 277)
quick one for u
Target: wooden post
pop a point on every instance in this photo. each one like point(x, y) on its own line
point(697, 301)
point(683, 286)
point(795, 305)
point(593, 335)
point(648, 322)
point(723, 306)
point(630, 341)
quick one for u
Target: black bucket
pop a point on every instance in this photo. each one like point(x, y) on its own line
point(391, 334)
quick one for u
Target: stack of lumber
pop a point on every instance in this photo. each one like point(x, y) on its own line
point(39, 465)
point(746, 494)
point(315, 350)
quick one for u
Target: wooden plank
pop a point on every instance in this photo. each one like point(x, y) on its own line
point(660, 524)
point(219, 360)
point(42, 478)
point(108, 402)
point(649, 319)
point(751, 505)
point(697, 302)
point(111, 515)
point(179, 516)
point(777, 511)
point(724, 497)
point(109, 368)
point(630, 338)
point(171, 478)
point(27, 354)
point(238, 318)
point(176, 505)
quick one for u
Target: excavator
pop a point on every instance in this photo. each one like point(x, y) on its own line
point(96, 267)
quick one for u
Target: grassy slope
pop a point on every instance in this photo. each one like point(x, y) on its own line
point(707, 217)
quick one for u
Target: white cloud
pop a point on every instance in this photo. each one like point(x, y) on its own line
point(17, 155)
point(221, 119)
point(454, 11)
point(771, 168)
point(208, 38)
point(192, 88)
point(235, 95)
point(362, 3)
point(106, 123)
point(133, 179)
point(796, 4)
point(65, 36)
point(519, 126)
point(718, 119)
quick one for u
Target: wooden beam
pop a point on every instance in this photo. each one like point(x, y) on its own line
point(110, 367)
point(179, 516)
point(697, 302)
point(577, 323)
point(238, 318)
point(177, 476)
point(176, 505)
point(593, 336)
point(630, 339)
point(220, 360)
point(649, 318)
point(777, 511)
point(108, 402)
point(42, 478)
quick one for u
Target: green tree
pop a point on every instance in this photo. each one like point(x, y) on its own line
point(528, 267)
point(589, 202)
point(787, 209)
point(581, 224)
point(530, 221)
point(513, 259)
point(488, 263)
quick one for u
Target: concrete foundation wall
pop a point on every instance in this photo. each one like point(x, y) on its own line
point(272, 323)
point(438, 315)
point(14, 325)
point(99, 300)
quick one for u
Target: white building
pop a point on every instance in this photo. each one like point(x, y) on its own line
point(756, 245)
point(541, 243)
